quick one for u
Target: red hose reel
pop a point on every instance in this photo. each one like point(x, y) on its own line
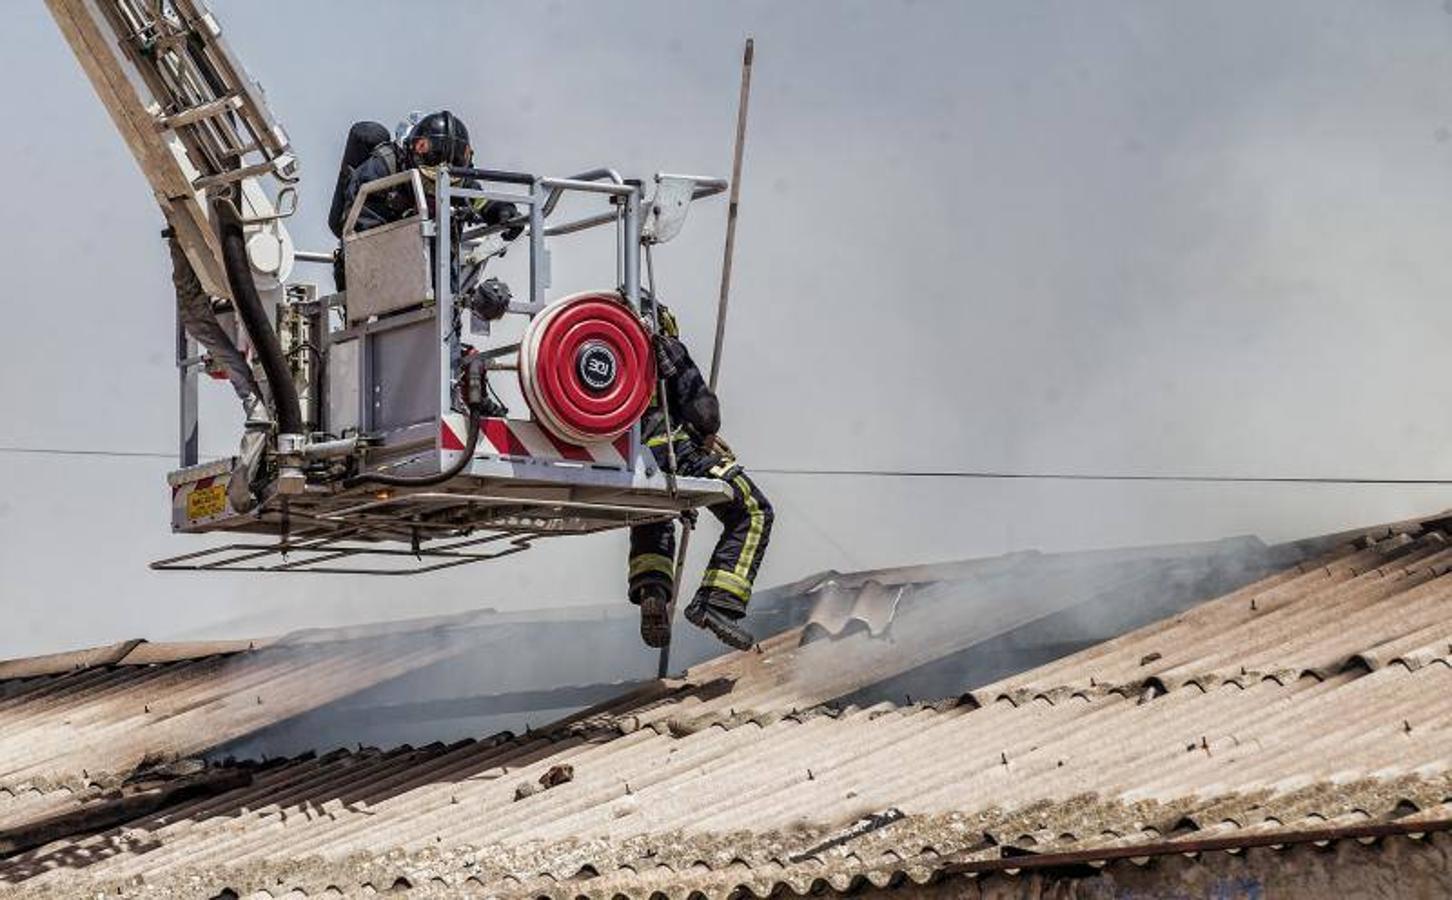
point(587, 367)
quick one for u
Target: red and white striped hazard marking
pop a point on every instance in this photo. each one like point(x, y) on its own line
point(522, 438)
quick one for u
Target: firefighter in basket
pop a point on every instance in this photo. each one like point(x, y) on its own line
point(370, 153)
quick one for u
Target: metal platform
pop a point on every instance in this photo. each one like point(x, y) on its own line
point(472, 518)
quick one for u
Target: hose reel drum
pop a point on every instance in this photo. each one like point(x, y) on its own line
point(587, 368)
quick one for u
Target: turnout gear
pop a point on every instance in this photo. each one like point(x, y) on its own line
point(381, 207)
point(369, 154)
point(387, 158)
point(746, 518)
point(746, 522)
point(692, 403)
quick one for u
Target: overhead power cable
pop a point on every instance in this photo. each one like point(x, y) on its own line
point(961, 474)
point(69, 451)
point(1092, 476)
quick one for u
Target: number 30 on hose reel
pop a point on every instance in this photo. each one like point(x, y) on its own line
point(587, 368)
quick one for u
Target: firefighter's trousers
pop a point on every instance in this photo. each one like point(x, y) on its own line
point(200, 321)
point(746, 520)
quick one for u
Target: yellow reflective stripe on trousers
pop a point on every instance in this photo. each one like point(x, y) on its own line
point(661, 440)
point(753, 534)
point(652, 562)
point(728, 582)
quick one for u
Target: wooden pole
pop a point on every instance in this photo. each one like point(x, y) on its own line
point(731, 211)
point(663, 662)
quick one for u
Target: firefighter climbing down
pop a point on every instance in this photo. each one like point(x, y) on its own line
point(694, 414)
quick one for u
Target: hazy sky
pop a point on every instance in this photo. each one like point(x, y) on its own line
point(1131, 237)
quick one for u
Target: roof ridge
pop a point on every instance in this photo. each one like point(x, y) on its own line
point(133, 652)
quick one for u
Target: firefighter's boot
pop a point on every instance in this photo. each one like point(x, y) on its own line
point(655, 614)
point(718, 614)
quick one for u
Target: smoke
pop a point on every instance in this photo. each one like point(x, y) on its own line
point(901, 635)
point(1000, 617)
point(466, 676)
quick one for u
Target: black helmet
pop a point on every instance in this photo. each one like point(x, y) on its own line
point(439, 139)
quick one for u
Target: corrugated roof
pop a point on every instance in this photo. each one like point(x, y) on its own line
point(1382, 601)
point(97, 724)
point(88, 719)
point(92, 716)
point(1321, 694)
point(126, 653)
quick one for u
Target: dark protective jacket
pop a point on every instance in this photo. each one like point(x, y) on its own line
point(384, 206)
point(393, 204)
point(694, 409)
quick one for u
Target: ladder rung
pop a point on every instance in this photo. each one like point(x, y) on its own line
point(207, 181)
point(197, 113)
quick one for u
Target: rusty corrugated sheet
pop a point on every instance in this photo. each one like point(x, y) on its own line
point(1322, 694)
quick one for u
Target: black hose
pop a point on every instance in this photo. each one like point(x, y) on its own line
point(466, 456)
point(255, 319)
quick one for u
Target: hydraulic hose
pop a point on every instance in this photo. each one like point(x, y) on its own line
point(471, 443)
point(255, 319)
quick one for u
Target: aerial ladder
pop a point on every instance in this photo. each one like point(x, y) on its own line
point(381, 457)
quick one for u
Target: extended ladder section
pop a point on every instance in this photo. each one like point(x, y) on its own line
point(191, 116)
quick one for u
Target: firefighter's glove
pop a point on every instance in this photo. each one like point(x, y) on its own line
point(715, 444)
point(498, 212)
point(469, 213)
point(665, 366)
point(514, 230)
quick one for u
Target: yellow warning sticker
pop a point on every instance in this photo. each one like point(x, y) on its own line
point(203, 503)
